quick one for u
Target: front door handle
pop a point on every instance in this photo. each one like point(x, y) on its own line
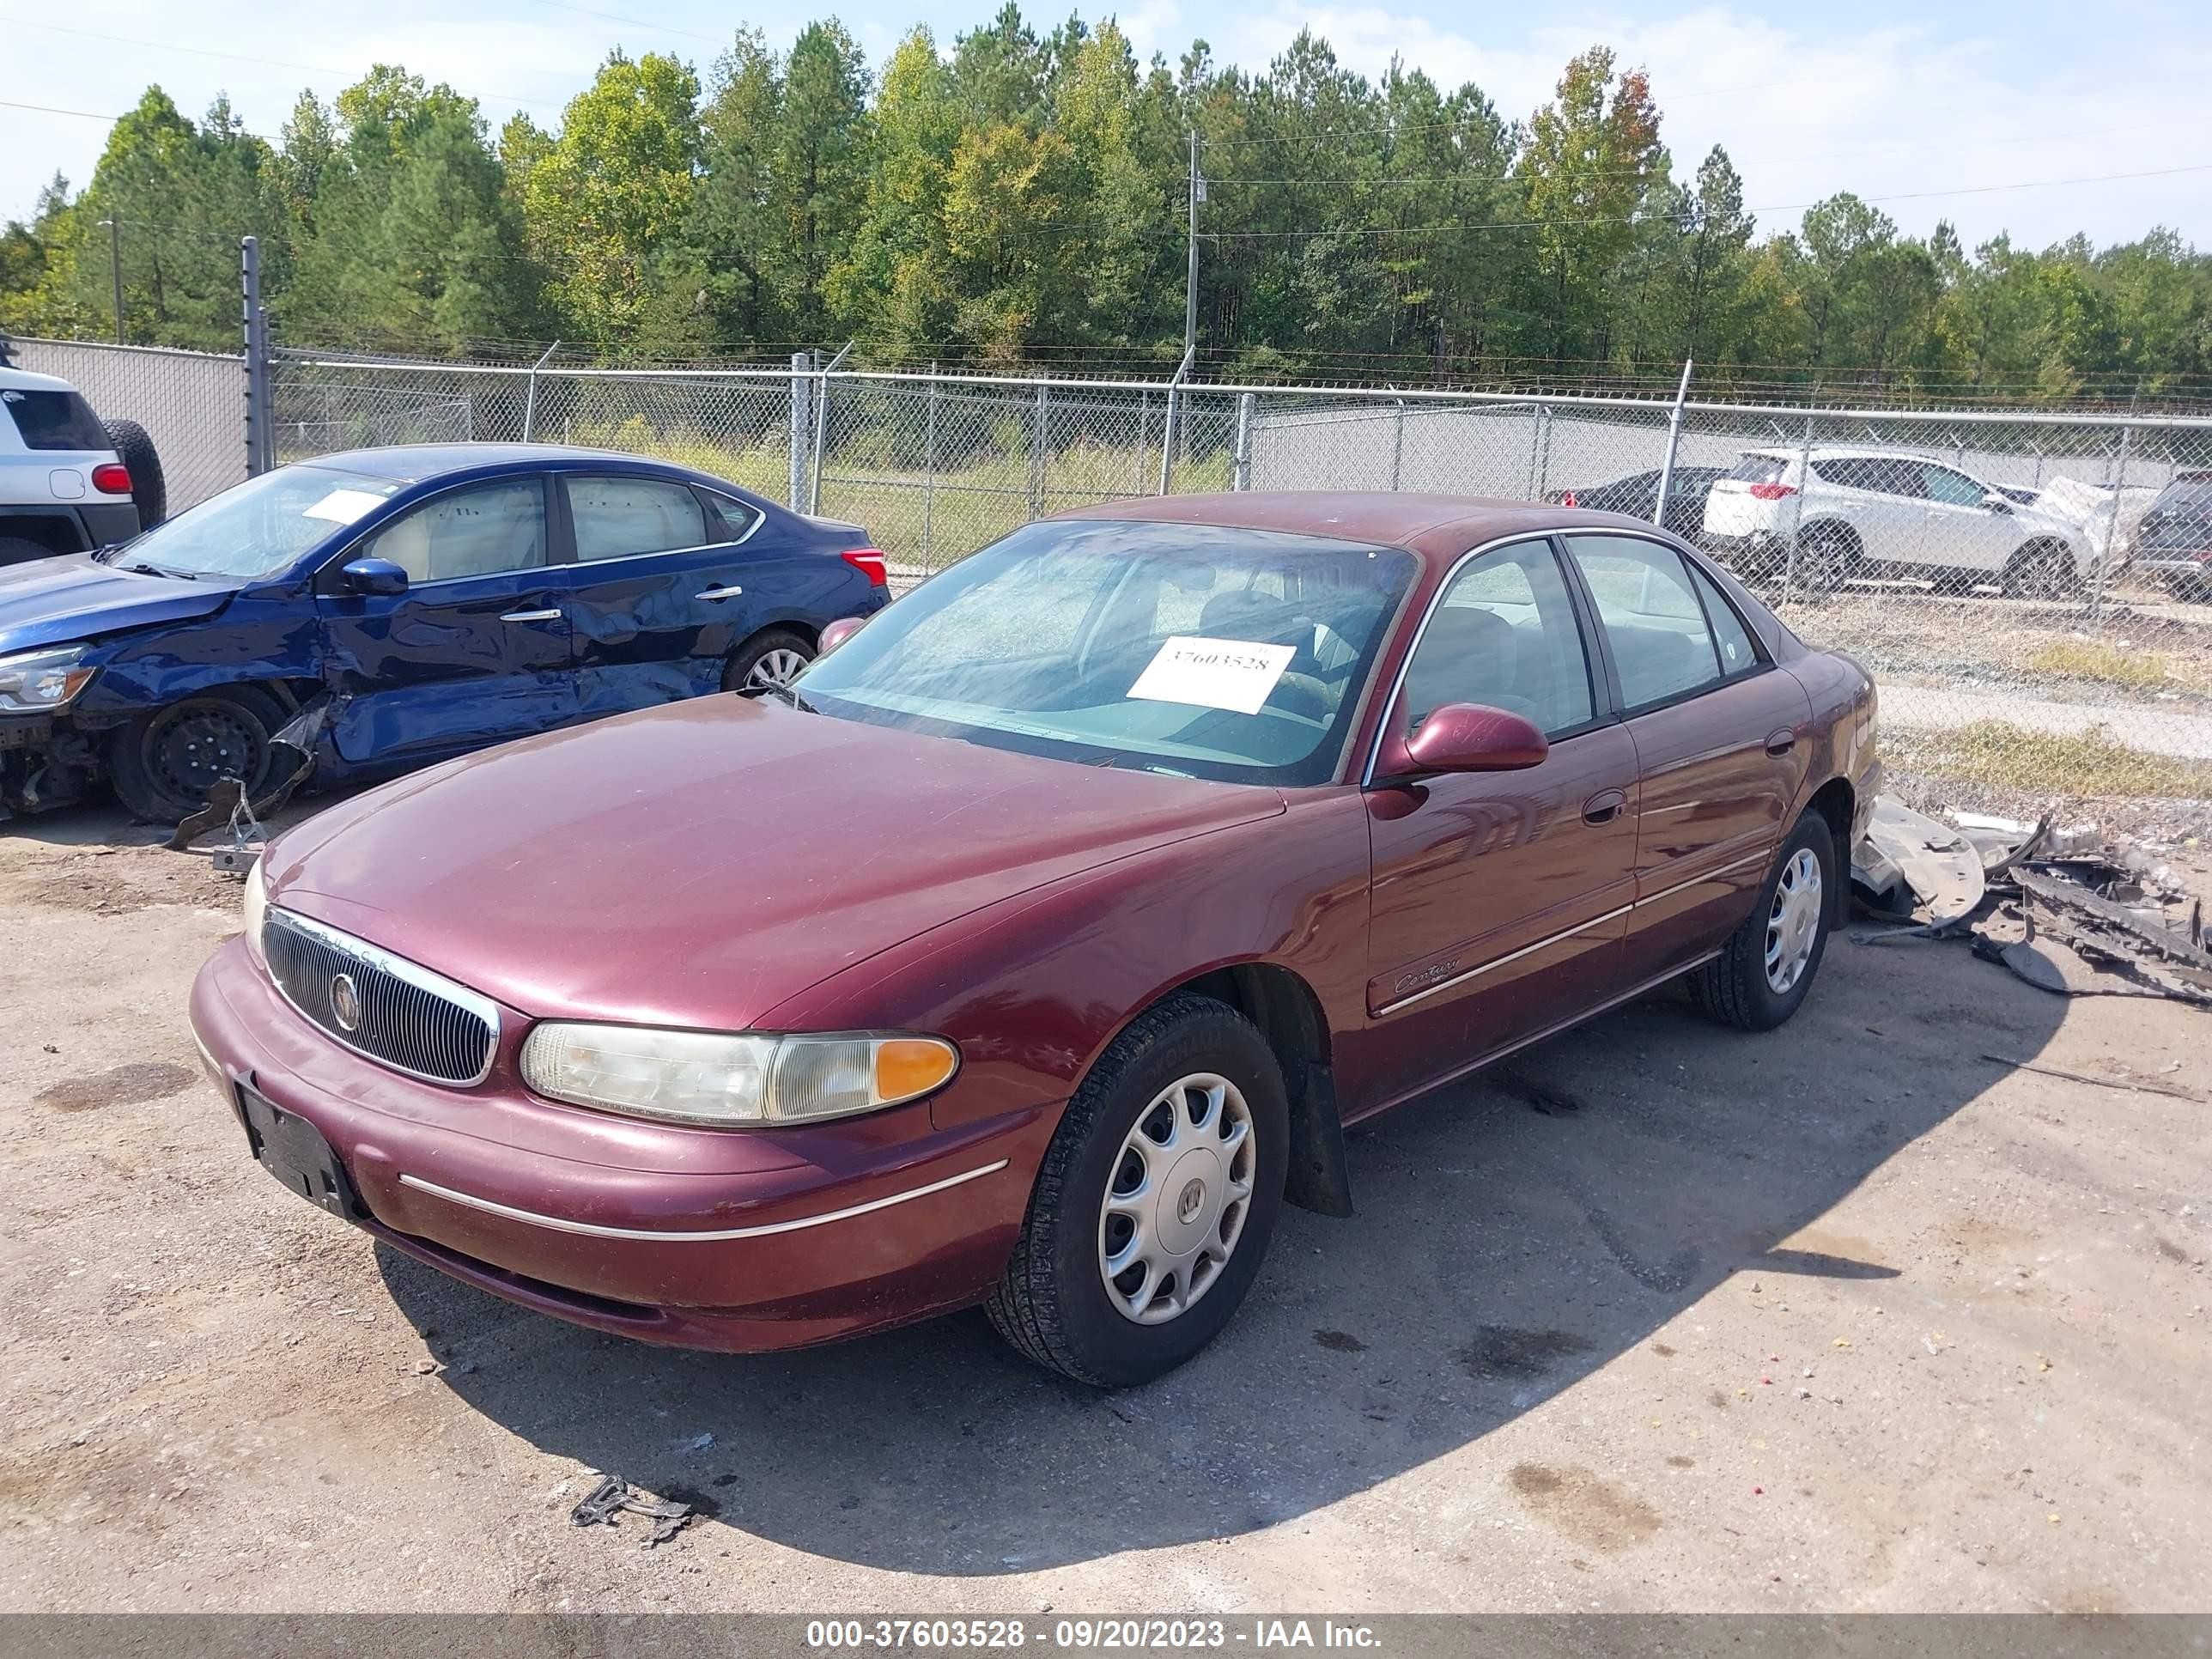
point(553, 615)
point(1604, 806)
point(1781, 742)
point(717, 593)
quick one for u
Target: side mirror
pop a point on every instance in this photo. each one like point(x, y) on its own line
point(1466, 737)
point(1997, 503)
point(374, 578)
point(838, 632)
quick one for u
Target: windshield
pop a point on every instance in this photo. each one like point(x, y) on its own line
point(1190, 649)
point(257, 528)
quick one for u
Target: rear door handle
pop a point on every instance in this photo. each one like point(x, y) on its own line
point(1604, 806)
point(1780, 743)
point(554, 615)
point(717, 593)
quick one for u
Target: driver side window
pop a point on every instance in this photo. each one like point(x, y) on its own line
point(481, 531)
point(1503, 635)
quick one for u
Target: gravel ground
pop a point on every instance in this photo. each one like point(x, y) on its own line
point(1658, 1316)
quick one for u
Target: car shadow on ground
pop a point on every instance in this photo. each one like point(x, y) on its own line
point(1515, 1232)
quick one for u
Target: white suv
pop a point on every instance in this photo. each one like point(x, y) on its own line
point(1875, 511)
point(62, 487)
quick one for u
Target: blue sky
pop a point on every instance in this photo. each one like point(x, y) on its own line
point(1926, 106)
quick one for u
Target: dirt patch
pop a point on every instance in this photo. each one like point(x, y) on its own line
point(1339, 1342)
point(118, 1086)
point(1597, 1513)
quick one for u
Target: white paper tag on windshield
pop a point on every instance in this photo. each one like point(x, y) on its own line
point(1236, 674)
point(343, 506)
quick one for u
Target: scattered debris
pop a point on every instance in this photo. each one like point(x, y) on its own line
point(2139, 1086)
point(1905, 858)
point(607, 1500)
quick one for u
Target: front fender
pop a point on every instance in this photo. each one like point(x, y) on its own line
point(262, 642)
point(1034, 988)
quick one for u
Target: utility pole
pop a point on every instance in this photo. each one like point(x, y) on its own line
point(115, 268)
point(1190, 282)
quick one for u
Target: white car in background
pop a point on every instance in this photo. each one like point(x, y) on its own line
point(1864, 512)
point(68, 481)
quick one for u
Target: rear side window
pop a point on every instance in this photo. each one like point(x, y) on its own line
point(1662, 646)
point(1761, 469)
point(1737, 654)
point(616, 517)
point(54, 420)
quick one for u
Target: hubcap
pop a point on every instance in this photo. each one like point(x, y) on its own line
point(1793, 925)
point(1177, 1201)
point(777, 668)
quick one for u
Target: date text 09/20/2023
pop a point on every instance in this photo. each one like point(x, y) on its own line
point(1106, 1634)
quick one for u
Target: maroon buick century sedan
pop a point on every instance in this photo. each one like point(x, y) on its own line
point(1037, 946)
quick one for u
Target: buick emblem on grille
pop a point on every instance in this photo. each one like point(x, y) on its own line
point(345, 1003)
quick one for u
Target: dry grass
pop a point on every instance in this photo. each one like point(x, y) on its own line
point(2073, 659)
point(1997, 755)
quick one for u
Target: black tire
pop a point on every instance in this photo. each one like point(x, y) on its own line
point(149, 489)
point(163, 764)
point(1827, 557)
point(18, 550)
point(1733, 987)
point(1052, 1304)
point(777, 643)
point(2042, 570)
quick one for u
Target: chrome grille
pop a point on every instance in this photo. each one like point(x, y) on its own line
point(402, 1015)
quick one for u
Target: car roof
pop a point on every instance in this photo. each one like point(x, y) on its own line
point(1849, 452)
point(1438, 527)
point(413, 463)
point(22, 380)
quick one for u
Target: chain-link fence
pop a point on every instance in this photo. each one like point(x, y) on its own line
point(192, 405)
point(2032, 590)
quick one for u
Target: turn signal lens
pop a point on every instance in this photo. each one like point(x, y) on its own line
point(112, 478)
point(906, 1067)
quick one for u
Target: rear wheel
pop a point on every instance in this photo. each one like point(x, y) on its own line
point(164, 763)
point(771, 658)
point(1826, 558)
point(1155, 1201)
point(1765, 970)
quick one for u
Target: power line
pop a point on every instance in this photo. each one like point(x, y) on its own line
point(241, 58)
point(635, 22)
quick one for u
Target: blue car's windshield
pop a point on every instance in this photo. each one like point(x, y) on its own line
point(1213, 652)
point(257, 528)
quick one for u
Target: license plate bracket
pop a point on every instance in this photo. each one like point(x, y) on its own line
point(294, 1151)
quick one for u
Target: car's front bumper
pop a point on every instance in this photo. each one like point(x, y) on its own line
point(25, 730)
point(740, 1241)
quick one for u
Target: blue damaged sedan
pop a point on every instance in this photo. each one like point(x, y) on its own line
point(362, 614)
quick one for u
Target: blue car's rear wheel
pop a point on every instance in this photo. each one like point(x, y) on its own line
point(164, 763)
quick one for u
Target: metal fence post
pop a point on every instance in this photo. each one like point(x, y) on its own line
point(1168, 425)
point(1797, 520)
point(800, 403)
point(1673, 439)
point(1143, 436)
point(929, 471)
point(1398, 445)
point(822, 426)
point(257, 418)
point(1037, 440)
point(2111, 532)
point(529, 397)
point(1240, 476)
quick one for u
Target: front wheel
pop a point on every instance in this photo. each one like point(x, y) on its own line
point(164, 763)
point(771, 658)
point(1155, 1201)
point(2042, 572)
point(1765, 969)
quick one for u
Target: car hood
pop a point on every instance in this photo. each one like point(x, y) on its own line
point(697, 864)
point(74, 596)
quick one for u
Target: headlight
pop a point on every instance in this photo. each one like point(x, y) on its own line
point(733, 1079)
point(256, 909)
point(37, 681)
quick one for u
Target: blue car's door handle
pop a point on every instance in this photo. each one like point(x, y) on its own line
point(716, 594)
point(554, 615)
